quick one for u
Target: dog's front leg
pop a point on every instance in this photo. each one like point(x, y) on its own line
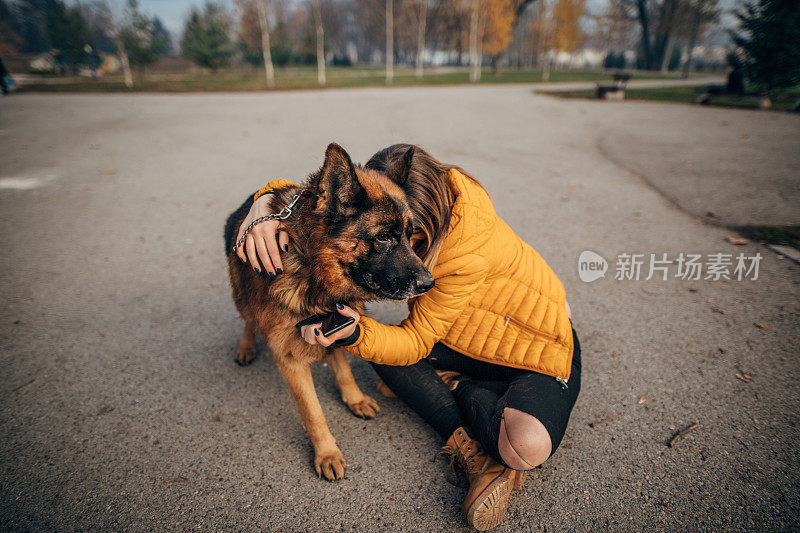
point(328, 459)
point(359, 403)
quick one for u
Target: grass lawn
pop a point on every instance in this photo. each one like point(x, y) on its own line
point(689, 95)
point(299, 78)
point(787, 235)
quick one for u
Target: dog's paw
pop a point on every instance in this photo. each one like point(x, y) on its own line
point(366, 407)
point(244, 356)
point(330, 464)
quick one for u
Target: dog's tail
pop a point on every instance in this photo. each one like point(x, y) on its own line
point(234, 221)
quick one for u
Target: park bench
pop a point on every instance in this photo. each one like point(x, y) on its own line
point(615, 90)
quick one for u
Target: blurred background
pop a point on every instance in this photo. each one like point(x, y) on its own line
point(189, 45)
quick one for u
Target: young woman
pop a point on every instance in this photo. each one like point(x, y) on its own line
point(488, 357)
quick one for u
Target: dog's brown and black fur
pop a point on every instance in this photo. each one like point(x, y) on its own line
point(349, 243)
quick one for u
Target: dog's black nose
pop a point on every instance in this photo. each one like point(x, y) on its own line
point(424, 282)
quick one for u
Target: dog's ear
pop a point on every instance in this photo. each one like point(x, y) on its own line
point(399, 171)
point(338, 189)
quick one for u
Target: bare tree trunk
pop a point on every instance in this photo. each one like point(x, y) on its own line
point(423, 15)
point(113, 33)
point(389, 42)
point(320, 43)
point(692, 40)
point(474, 59)
point(265, 48)
point(547, 29)
point(123, 59)
point(667, 53)
point(644, 21)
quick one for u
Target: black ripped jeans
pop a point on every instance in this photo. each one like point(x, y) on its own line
point(483, 392)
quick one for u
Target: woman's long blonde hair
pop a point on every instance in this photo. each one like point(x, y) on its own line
point(428, 190)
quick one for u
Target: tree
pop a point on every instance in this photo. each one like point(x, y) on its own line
point(144, 42)
point(498, 18)
point(567, 32)
point(768, 43)
point(475, 58)
point(10, 41)
point(542, 36)
point(254, 35)
point(31, 16)
point(206, 38)
point(162, 37)
point(491, 28)
point(320, 42)
point(250, 33)
point(99, 19)
point(263, 10)
point(421, 21)
point(702, 12)
point(68, 33)
point(389, 41)
point(662, 23)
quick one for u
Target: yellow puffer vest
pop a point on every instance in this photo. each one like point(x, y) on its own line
point(495, 298)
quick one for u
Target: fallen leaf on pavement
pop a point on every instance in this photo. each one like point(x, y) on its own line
point(615, 354)
point(744, 377)
point(718, 310)
point(681, 433)
point(601, 421)
point(737, 240)
point(761, 325)
point(108, 172)
point(642, 400)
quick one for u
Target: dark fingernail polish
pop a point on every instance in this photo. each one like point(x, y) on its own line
point(272, 275)
point(243, 260)
point(316, 331)
point(285, 247)
point(279, 270)
point(257, 270)
point(339, 306)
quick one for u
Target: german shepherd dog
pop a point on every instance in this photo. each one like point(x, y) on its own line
point(349, 244)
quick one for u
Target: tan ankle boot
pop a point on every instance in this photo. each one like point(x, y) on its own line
point(519, 478)
point(384, 389)
point(449, 377)
point(490, 483)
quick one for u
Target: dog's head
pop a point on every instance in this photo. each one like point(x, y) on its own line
point(359, 235)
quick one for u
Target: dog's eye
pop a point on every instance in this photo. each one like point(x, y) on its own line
point(383, 237)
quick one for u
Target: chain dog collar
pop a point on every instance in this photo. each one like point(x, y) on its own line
point(283, 214)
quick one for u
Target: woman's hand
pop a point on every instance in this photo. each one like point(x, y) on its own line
point(260, 246)
point(312, 334)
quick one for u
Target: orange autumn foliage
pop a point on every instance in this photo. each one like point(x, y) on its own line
point(567, 32)
point(497, 21)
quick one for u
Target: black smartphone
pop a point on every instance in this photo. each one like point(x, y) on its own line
point(331, 322)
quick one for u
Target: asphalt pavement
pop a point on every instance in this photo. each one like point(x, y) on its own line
point(121, 406)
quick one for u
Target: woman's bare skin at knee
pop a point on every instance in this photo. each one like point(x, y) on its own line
point(524, 442)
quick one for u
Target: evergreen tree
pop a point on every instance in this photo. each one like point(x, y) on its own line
point(69, 34)
point(768, 40)
point(162, 37)
point(206, 38)
point(10, 41)
point(31, 18)
point(143, 41)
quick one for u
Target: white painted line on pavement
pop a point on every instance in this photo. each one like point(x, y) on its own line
point(22, 184)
